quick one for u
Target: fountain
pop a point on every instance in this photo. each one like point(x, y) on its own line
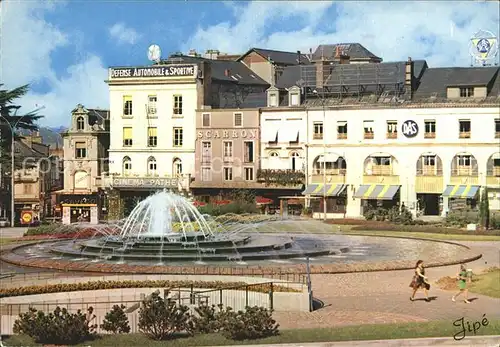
point(166, 228)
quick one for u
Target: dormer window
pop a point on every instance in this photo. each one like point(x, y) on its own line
point(467, 92)
point(273, 97)
point(80, 123)
point(294, 96)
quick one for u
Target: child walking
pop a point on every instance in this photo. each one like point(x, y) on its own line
point(462, 280)
point(420, 281)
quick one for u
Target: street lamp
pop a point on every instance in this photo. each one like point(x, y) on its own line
point(322, 98)
point(12, 169)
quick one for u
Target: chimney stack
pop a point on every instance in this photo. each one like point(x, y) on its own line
point(298, 57)
point(192, 53)
point(409, 81)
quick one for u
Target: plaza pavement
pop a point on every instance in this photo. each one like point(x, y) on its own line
point(10, 233)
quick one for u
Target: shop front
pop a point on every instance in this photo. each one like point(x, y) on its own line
point(334, 195)
point(78, 208)
point(375, 196)
point(461, 197)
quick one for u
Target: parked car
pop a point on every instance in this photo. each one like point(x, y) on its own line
point(4, 222)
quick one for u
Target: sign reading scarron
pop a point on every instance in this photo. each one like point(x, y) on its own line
point(410, 128)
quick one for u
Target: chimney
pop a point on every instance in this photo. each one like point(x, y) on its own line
point(227, 72)
point(204, 93)
point(409, 81)
point(344, 58)
point(192, 53)
point(212, 54)
point(298, 57)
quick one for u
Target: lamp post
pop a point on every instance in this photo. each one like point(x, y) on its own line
point(322, 98)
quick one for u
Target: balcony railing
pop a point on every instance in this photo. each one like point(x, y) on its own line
point(317, 136)
point(281, 177)
point(333, 172)
point(382, 170)
point(430, 135)
point(429, 170)
point(368, 135)
point(464, 171)
point(495, 171)
point(464, 135)
point(497, 135)
point(392, 135)
point(341, 136)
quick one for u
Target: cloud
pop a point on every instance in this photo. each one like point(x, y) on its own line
point(124, 35)
point(27, 43)
point(435, 31)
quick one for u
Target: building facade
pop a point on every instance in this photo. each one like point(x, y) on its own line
point(388, 134)
point(86, 144)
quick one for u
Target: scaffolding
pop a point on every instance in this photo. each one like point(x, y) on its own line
point(370, 80)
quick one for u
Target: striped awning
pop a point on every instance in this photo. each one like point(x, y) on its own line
point(376, 191)
point(461, 191)
point(317, 189)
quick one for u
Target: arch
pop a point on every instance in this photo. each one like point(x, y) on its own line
point(80, 123)
point(333, 163)
point(429, 164)
point(380, 164)
point(81, 180)
point(295, 162)
point(152, 167)
point(273, 154)
point(464, 164)
point(493, 165)
point(126, 166)
point(177, 166)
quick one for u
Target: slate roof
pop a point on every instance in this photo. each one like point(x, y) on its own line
point(435, 80)
point(38, 150)
point(356, 51)
point(95, 115)
point(278, 57)
point(239, 73)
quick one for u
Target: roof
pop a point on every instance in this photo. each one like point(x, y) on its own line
point(278, 57)
point(237, 72)
point(355, 51)
point(435, 80)
point(95, 115)
point(37, 150)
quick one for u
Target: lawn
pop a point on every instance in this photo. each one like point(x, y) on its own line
point(487, 283)
point(349, 333)
point(318, 227)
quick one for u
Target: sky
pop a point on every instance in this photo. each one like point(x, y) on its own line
point(64, 48)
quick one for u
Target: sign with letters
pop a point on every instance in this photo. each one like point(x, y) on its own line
point(153, 71)
point(145, 182)
point(409, 128)
point(228, 134)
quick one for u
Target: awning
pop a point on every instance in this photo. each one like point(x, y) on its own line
point(461, 191)
point(289, 132)
point(316, 189)
point(328, 157)
point(270, 133)
point(376, 191)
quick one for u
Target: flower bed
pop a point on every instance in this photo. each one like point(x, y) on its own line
point(99, 285)
point(421, 228)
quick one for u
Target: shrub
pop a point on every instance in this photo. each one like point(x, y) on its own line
point(462, 218)
point(159, 319)
point(206, 320)
point(253, 323)
point(484, 209)
point(116, 321)
point(59, 327)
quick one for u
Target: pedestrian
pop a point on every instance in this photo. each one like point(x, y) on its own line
point(462, 280)
point(420, 281)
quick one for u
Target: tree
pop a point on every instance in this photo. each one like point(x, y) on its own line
point(484, 209)
point(9, 119)
point(116, 321)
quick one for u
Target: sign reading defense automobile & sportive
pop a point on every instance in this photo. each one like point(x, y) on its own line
point(409, 128)
point(160, 71)
point(145, 182)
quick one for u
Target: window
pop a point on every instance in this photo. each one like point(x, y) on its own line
point(368, 129)
point(152, 105)
point(127, 137)
point(467, 92)
point(178, 105)
point(206, 174)
point(294, 158)
point(228, 150)
point(127, 166)
point(464, 160)
point(152, 166)
point(273, 100)
point(497, 128)
point(238, 119)
point(249, 174)
point(177, 167)
point(273, 155)
point(205, 119)
point(80, 123)
point(28, 188)
point(228, 174)
point(249, 152)
point(206, 152)
point(127, 105)
point(177, 137)
point(80, 150)
point(152, 137)
point(464, 129)
point(429, 165)
point(430, 129)
point(341, 130)
point(294, 99)
point(392, 129)
point(496, 167)
point(318, 130)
